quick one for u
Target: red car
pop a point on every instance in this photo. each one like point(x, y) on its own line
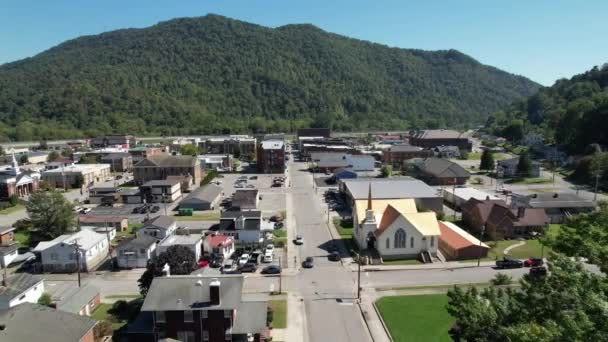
point(203, 263)
point(533, 262)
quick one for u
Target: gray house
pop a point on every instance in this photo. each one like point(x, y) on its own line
point(509, 167)
point(557, 206)
point(136, 252)
point(206, 197)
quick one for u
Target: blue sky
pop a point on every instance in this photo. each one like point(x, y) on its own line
point(543, 40)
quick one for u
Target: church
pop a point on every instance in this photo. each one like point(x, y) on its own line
point(395, 229)
point(14, 182)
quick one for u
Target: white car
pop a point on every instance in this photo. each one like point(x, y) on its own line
point(85, 210)
point(299, 240)
point(243, 259)
point(269, 248)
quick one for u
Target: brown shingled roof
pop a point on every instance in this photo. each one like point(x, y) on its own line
point(388, 217)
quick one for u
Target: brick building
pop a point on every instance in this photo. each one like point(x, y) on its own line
point(441, 137)
point(271, 157)
point(160, 166)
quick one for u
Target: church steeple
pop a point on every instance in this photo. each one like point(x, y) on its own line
point(369, 197)
point(15, 165)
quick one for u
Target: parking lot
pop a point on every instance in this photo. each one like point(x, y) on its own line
point(272, 198)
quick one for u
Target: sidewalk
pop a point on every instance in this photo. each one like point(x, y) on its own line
point(433, 266)
point(371, 317)
point(296, 322)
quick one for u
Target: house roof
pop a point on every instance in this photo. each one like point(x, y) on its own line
point(141, 241)
point(514, 161)
point(167, 160)
point(116, 155)
point(272, 145)
point(86, 238)
point(250, 318)
point(425, 223)
point(181, 240)
point(457, 237)
point(442, 168)
point(389, 188)
point(233, 214)
point(32, 322)
point(405, 205)
point(6, 250)
point(5, 230)
point(405, 148)
point(466, 193)
point(559, 200)
point(77, 298)
point(100, 219)
point(207, 193)
point(440, 134)
point(245, 198)
point(532, 217)
point(162, 182)
point(481, 208)
point(161, 221)
point(176, 293)
point(215, 240)
point(17, 283)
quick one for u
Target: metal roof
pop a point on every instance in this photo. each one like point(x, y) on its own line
point(207, 193)
point(76, 299)
point(389, 188)
point(160, 221)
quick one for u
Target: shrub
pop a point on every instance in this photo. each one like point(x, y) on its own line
point(269, 316)
point(501, 279)
point(45, 299)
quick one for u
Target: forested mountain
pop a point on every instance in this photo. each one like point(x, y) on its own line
point(572, 113)
point(213, 74)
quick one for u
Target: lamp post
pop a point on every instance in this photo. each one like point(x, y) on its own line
point(483, 229)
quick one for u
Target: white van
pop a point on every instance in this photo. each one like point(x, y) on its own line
point(267, 257)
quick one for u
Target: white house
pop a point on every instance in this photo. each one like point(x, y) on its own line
point(60, 254)
point(8, 246)
point(136, 252)
point(219, 244)
point(396, 229)
point(159, 227)
point(20, 288)
point(161, 191)
point(193, 242)
point(243, 226)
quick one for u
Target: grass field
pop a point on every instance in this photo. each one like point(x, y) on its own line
point(279, 308)
point(11, 210)
point(477, 156)
point(344, 227)
point(23, 237)
point(206, 216)
point(416, 318)
point(133, 227)
point(403, 262)
point(101, 313)
point(528, 181)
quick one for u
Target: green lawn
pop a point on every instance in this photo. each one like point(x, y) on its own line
point(403, 262)
point(279, 233)
point(133, 227)
point(279, 317)
point(344, 227)
point(528, 181)
point(477, 156)
point(416, 318)
point(23, 237)
point(101, 314)
point(205, 216)
point(532, 248)
point(11, 210)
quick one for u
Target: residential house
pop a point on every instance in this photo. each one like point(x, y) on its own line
point(437, 171)
point(135, 253)
point(331, 161)
point(76, 175)
point(204, 308)
point(271, 156)
point(508, 167)
point(244, 226)
point(426, 198)
point(80, 300)
point(557, 206)
point(16, 182)
point(130, 196)
point(184, 180)
point(20, 288)
point(158, 227)
point(457, 244)
point(140, 153)
point(217, 162)
point(33, 322)
point(448, 152)
point(117, 223)
point(119, 162)
point(457, 196)
point(161, 191)
point(8, 246)
point(395, 155)
point(395, 229)
point(62, 253)
point(159, 166)
point(113, 140)
point(497, 221)
point(441, 137)
point(192, 241)
point(207, 197)
point(245, 199)
point(219, 244)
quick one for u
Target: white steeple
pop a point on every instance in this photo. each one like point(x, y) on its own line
point(15, 165)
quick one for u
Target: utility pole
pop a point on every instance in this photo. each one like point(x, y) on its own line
point(280, 278)
point(358, 277)
point(483, 229)
point(327, 212)
point(77, 251)
point(109, 244)
point(454, 197)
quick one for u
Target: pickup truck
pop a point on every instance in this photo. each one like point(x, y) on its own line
point(508, 262)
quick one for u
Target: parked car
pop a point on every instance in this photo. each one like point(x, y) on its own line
point(203, 263)
point(250, 186)
point(248, 267)
point(85, 210)
point(155, 209)
point(533, 262)
point(106, 204)
point(299, 240)
point(255, 257)
point(334, 256)
point(272, 269)
point(538, 271)
point(243, 259)
point(267, 257)
point(253, 177)
point(239, 185)
point(230, 269)
point(269, 247)
point(509, 262)
point(119, 177)
point(278, 225)
point(308, 262)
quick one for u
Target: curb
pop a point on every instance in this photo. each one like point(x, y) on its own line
point(420, 269)
point(382, 321)
point(369, 331)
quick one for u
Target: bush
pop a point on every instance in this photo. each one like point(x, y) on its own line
point(269, 316)
point(45, 299)
point(501, 279)
point(13, 200)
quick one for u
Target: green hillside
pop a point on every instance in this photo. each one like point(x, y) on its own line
point(213, 74)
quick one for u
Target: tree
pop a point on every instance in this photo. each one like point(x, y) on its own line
point(2, 151)
point(514, 132)
point(237, 152)
point(501, 279)
point(23, 159)
point(87, 159)
point(565, 305)
point(487, 160)
point(181, 260)
point(386, 171)
point(45, 299)
point(50, 213)
point(43, 145)
point(524, 165)
point(189, 150)
point(54, 155)
point(78, 181)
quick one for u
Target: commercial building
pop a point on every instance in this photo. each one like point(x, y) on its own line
point(113, 140)
point(437, 171)
point(313, 132)
point(161, 191)
point(441, 137)
point(243, 199)
point(456, 197)
point(244, 145)
point(217, 162)
point(395, 155)
point(271, 157)
point(119, 162)
point(206, 197)
point(76, 175)
point(140, 153)
point(160, 166)
point(557, 206)
point(329, 162)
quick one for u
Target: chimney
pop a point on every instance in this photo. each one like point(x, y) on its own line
point(555, 195)
point(214, 292)
point(521, 211)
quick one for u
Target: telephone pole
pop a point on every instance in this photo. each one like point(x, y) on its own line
point(77, 251)
point(483, 229)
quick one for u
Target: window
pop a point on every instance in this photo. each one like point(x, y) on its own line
point(205, 335)
point(432, 241)
point(204, 314)
point(142, 251)
point(227, 313)
point(160, 316)
point(188, 316)
point(400, 238)
point(412, 242)
point(189, 336)
point(388, 243)
point(22, 297)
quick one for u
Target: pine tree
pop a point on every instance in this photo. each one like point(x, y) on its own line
point(487, 161)
point(524, 165)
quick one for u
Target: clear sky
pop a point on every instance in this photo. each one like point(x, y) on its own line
point(544, 39)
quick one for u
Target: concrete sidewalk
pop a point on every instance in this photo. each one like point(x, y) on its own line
point(372, 318)
point(433, 266)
